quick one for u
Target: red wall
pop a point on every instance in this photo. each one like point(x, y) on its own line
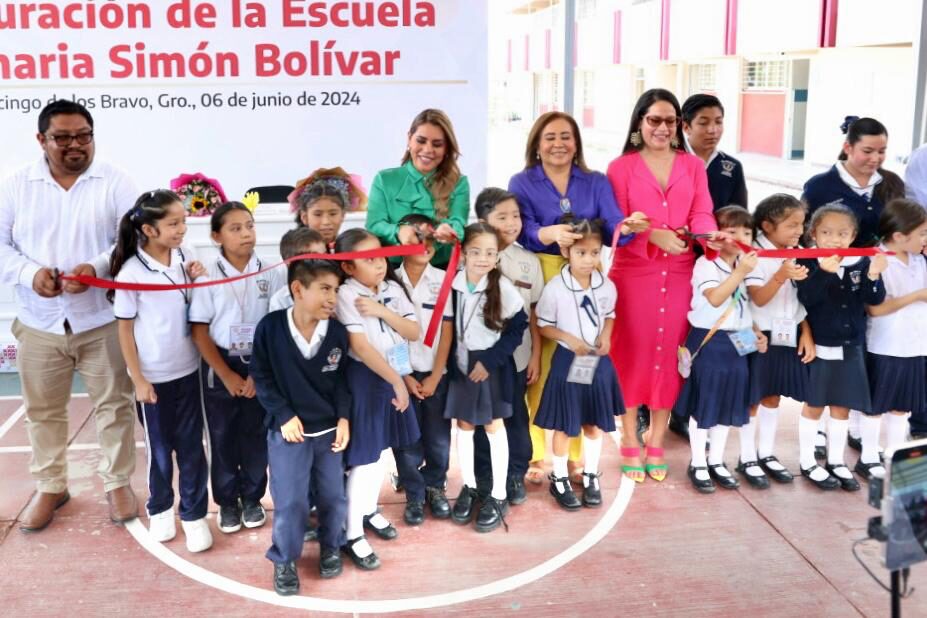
point(762, 124)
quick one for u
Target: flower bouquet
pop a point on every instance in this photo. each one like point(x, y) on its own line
point(200, 195)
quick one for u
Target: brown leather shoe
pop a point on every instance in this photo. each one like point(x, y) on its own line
point(123, 504)
point(41, 510)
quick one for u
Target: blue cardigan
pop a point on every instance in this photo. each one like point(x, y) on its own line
point(836, 307)
point(289, 385)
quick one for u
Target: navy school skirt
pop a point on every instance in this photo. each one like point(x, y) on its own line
point(896, 384)
point(718, 389)
point(376, 424)
point(480, 403)
point(778, 372)
point(842, 383)
point(566, 406)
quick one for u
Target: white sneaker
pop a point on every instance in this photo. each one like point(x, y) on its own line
point(199, 538)
point(161, 526)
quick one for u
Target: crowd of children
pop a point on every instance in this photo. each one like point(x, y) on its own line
point(315, 370)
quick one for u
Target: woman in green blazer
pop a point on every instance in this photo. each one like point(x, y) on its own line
point(428, 182)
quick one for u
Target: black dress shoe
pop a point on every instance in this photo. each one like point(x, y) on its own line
point(515, 490)
point(286, 581)
point(592, 493)
point(780, 476)
point(566, 498)
point(865, 469)
point(704, 486)
point(491, 515)
point(367, 563)
point(311, 533)
point(847, 484)
point(820, 452)
point(855, 443)
point(679, 426)
point(827, 484)
point(329, 563)
point(757, 482)
point(387, 533)
point(437, 502)
point(727, 482)
point(463, 507)
point(414, 514)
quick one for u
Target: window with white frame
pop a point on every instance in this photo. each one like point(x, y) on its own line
point(587, 83)
point(766, 75)
point(702, 78)
point(585, 9)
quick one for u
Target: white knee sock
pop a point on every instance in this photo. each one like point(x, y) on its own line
point(820, 438)
point(807, 430)
point(748, 441)
point(836, 441)
point(896, 429)
point(767, 421)
point(499, 453)
point(592, 449)
point(363, 481)
point(717, 437)
point(855, 427)
point(465, 457)
point(560, 471)
point(869, 427)
point(698, 438)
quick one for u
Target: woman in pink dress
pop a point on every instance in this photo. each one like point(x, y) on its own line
point(653, 272)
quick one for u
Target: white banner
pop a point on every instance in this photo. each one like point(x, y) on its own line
point(249, 93)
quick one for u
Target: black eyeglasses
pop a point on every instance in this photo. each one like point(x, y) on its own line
point(63, 141)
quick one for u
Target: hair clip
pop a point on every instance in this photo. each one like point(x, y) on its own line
point(847, 123)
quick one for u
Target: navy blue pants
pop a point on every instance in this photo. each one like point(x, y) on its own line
point(292, 465)
point(175, 425)
point(433, 447)
point(517, 432)
point(918, 419)
point(237, 439)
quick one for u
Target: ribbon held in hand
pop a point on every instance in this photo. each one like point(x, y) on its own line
point(796, 253)
point(437, 315)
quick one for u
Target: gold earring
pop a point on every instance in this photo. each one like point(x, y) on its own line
point(636, 139)
point(674, 142)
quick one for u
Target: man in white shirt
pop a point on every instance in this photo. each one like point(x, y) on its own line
point(60, 215)
point(915, 176)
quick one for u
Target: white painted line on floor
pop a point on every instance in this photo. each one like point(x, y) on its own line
point(18, 397)
point(18, 414)
point(73, 447)
point(351, 606)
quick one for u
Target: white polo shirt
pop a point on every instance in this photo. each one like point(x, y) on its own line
point(523, 269)
point(43, 225)
point(380, 334)
point(709, 274)
point(307, 348)
point(162, 334)
point(281, 299)
point(424, 296)
point(469, 325)
point(580, 312)
point(785, 304)
point(904, 332)
point(241, 302)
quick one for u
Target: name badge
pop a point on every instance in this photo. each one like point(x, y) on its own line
point(462, 357)
point(744, 341)
point(684, 361)
point(783, 333)
point(399, 358)
point(241, 339)
point(582, 369)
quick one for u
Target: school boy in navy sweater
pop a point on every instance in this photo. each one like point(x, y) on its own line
point(298, 365)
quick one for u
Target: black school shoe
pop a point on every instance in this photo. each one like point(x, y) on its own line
point(566, 499)
point(855, 443)
point(820, 452)
point(311, 533)
point(706, 486)
point(827, 484)
point(437, 502)
point(253, 515)
point(387, 533)
point(492, 515)
point(865, 469)
point(780, 476)
point(515, 490)
point(230, 518)
point(592, 493)
point(329, 563)
point(757, 482)
point(727, 482)
point(414, 514)
point(847, 484)
point(367, 563)
point(286, 580)
point(463, 507)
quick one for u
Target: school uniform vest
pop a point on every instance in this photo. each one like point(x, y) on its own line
point(726, 181)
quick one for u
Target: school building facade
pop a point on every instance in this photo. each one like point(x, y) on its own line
point(787, 71)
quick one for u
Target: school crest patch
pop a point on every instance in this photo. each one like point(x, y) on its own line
point(263, 286)
point(727, 168)
point(856, 277)
point(334, 358)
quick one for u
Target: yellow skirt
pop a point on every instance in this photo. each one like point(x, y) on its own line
point(550, 267)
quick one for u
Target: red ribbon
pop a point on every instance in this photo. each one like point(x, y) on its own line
point(796, 253)
point(438, 315)
point(385, 252)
